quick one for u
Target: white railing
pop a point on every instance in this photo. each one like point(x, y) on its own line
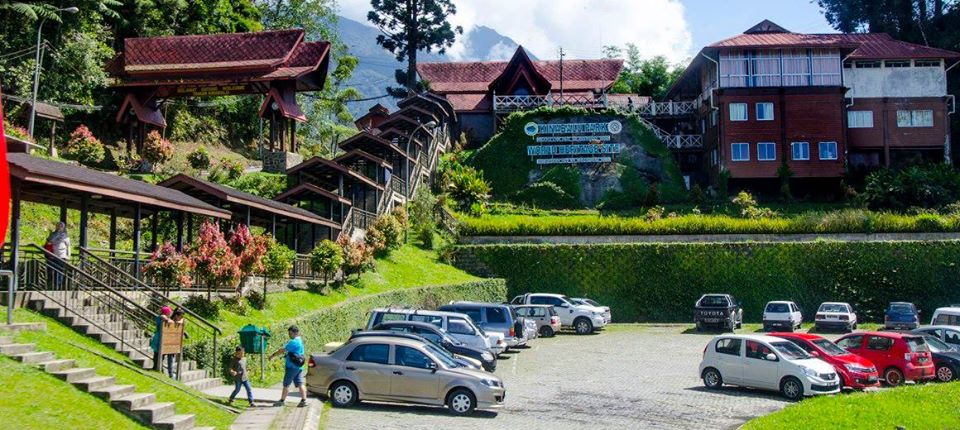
point(503, 104)
point(516, 103)
point(675, 141)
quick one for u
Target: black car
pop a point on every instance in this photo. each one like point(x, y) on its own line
point(718, 310)
point(946, 359)
point(432, 333)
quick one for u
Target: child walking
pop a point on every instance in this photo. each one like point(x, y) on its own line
point(238, 369)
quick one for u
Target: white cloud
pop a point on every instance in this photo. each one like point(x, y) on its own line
point(581, 27)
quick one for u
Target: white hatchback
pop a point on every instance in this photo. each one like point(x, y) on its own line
point(782, 315)
point(768, 363)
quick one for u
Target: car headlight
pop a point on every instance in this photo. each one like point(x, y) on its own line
point(598, 313)
point(808, 371)
point(858, 369)
point(490, 382)
point(486, 356)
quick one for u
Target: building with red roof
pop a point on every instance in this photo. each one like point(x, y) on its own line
point(481, 90)
point(818, 102)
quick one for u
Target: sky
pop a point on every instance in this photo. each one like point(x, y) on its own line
point(676, 29)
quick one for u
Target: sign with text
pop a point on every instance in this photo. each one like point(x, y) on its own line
point(574, 160)
point(581, 149)
point(574, 133)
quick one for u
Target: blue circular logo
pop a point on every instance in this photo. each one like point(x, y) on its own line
point(531, 129)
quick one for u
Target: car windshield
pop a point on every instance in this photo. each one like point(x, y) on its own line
point(713, 301)
point(901, 308)
point(916, 344)
point(778, 307)
point(789, 350)
point(936, 345)
point(591, 302)
point(451, 340)
point(829, 347)
point(443, 355)
point(579, 301)
point(833, 307)
point(566, 299)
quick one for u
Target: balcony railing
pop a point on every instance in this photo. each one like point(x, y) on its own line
point(504, 104)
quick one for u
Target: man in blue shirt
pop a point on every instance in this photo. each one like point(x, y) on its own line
point(295, 357)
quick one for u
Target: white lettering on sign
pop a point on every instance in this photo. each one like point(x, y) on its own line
point(612, 127)
point(574, 160)
point(559, 139)
point(548, 150)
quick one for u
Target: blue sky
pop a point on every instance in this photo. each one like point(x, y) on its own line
point(712, 20)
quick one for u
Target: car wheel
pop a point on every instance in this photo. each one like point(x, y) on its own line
point(791, 388)
point(945, 373)
point(343, 394)
point(546, 331)
point(732, 325)
point(740, 323)
point(854, 327)
point(699, 326)
point(461, 401)
point(893, 377)
point(712, 378)
point(843, 382)
point(583, 326)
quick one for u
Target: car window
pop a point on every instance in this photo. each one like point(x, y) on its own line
point(540, 301)
point(877, 343)
point(473, 313)
point(802, 345)
point(729, 346)
point(459, 326)
point(370, 353)
point(496, 315)
point(757, 350)
point(833, 307)
point(553, 312)
point(952, 336)
point(933, 332)
point(901, 308)
point(392, 317)
point(777, 308)
point(429, 335)
point(947, 319)
point(517, 300)
point(713, 302)
point(538, 312)
point(789, 350)
point(916, 344)
point(411, 357)
point(852, 342)
point(432, 319)
point(524, 312)
point(829, 347)
point(936, 345)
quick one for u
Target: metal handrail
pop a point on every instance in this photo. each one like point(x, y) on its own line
point(128, 257)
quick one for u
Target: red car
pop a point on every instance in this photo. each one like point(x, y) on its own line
point(899, 356)
point(855, 371)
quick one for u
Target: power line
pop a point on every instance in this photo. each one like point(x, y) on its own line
point(59, 105)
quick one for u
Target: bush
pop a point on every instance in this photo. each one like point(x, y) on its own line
point(226, 171)
point(278, 261)
point(929, 186)
point(661, 282)
point(357, 256)
point(465, 184)
point(426, 234)
point(400, 214)
point(422, 208)
point(168, 268)
point(326, 258)
point(385, 235)
point(567, 178)
point(156, 149)
point(84, 147)
point(266, 185)
point(199, 159)
point(257, 300)
point(748, 207)
point(544, 194)
point(202, 306)
point(235, 304)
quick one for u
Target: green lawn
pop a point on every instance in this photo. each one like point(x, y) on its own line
point(60, 340)
point(928, 406)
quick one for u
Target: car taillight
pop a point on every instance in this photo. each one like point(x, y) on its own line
point(554, 320)
point(844, 318)
point(513, 333)
point(312, 363)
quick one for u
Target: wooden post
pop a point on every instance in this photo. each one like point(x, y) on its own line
point(137, 217)
point(84, 203)
point(15, 231)
point(247, 217)
point(273, 225)
point(296, 237)
point(189, 228)
point(52, 151)
point(153, 231)
point(63, 211)
point(113, 231)
point(180, 231)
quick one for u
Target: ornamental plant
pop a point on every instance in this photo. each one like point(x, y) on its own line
point(249, 250)
point(156, 149)
point(17, 131)
point(384, 235)
point(277, 263)
point(357, 256)
point(199, 159)
point(327, 257)
point(213, 259)
point(169, 268)
point(84, 147)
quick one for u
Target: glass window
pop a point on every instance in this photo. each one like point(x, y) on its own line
point(829, 347)
point(789, 350)
point(766, 151)
point(833, 307)
point(757, 350)
point(435, 320)
point(926, 63)
point(947, 319)
point(738, 112)
point(473, 313)
point(916, 344)
point(828, 150)
point(459, 326)
point(740, 152)
point(860, 119)
point(914, 118)
point(540, 301)
point(802, 345)
point(868, 64)
point(524, 312)
point(734, 69)
point(713, 302)
point(729, 346)
point(852, 342)
point(385, 316)
point(896, 63)
point(952, 336)
point(370, 353)
point(800, 150)
point(411, 357)
point(496, 315)
point(878, 343)
point(777, 308)
point(796, 68)
point(826, 67)
point(765, 111)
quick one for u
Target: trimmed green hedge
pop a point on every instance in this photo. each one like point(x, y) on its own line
point(660, 282)
point(336, 322)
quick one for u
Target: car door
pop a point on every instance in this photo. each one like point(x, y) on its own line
point(757, 370)
point(796, 316)
point(951, 337)
point(729, 359)
point(370, 365)
point(461, 330)
point(411, 375)
point(877, 350)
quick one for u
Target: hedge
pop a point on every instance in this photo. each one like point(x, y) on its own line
point(336, 322)
point(655, 282)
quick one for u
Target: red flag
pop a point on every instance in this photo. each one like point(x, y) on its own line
point(4, 180)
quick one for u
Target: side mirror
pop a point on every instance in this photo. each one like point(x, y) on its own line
point(771, 357)
point(433, 366)
point(814, 353)
point(562, 305)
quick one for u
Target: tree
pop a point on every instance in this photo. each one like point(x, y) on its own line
point(214, 260)
point(168, 268)
point(651, 77)
point(409, 26)
point(326, 258)
point(277, 263)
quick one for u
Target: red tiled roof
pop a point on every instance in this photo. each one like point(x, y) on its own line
point(862, 45)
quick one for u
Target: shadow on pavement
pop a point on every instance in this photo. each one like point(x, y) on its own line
point(419, 410)
point(740, 392)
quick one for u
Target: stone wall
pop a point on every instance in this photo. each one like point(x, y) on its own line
point(280, 161)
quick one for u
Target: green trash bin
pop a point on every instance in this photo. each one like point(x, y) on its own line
point(250, 339)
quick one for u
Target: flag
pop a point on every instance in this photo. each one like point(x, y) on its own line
point(4, 179)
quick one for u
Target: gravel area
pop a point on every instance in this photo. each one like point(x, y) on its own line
point(625, 377)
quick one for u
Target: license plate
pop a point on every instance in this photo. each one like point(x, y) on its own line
point(923, 359)
point(831, 317)
point(872, 379)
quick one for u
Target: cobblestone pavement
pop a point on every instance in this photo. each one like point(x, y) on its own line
point(627, 377)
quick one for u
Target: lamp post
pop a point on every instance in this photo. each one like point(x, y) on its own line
point(430, 126)
point(36, 70)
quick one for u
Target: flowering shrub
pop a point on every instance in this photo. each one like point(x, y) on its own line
point(17, 131)
point(214, 260)
point(226, 171)
point(400, 213)
point(357, 256)
point(326, 258)
point(385, 234)
point(83, 146)
point(199, 159)
point(156, 149)
point(169, 268)
point(249, 249)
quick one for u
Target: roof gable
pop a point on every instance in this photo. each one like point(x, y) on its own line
point(520, 67)
point(766, 26)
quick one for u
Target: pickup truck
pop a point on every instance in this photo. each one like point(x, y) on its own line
point(583, 319)
point(718, 310)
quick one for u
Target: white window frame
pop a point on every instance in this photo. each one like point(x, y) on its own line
point(896, 64)
point(759, 154)
point(733, 151)
point(858, 119)
point(914, 118)
point(757, 111)
point(746, 112)
point(793, 154)
point(836, 151)
point(927, 63)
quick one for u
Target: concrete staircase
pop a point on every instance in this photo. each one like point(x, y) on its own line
point(142, 407)
point(121, 336)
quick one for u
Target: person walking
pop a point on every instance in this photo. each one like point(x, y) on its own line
point(163, 317)
point(238, 369)
point(293, 353)
point(58, 244)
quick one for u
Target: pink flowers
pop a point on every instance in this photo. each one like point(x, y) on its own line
point(169, 268)
point(213, 259)
point(249, 249)
point(156, 149)
point(83, 146)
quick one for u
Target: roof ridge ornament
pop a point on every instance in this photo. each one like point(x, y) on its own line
point(765, 27)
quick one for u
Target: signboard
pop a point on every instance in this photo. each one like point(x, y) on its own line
point(171, 338)
point(595, 132)
point(208, 90)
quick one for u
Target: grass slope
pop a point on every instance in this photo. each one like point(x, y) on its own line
point(60, 340)
point(929, 406)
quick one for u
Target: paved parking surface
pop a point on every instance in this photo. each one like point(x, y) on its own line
point(627, 377)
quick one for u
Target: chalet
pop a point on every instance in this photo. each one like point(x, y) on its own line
point(821, 103)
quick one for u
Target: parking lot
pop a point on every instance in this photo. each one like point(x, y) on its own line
point(624, 377)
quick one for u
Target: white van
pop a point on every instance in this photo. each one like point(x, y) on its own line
point(460, 326)
point(946, 316)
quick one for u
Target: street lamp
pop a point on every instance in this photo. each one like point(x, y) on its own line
point(430, 126)
point(36, 70)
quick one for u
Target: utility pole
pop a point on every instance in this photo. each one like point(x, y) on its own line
point(561, 72)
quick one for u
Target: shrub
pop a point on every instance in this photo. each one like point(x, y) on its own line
point(654, 214)
point(234, 303)
point(357, 256)
point(748, 207)
point(465, 184)
point(925, 186)
point(266, 185)
point(202, 306)
point(385, 234)
point(567, 178)
point(84, 147)
point(326, 258)
point(199, 159)
point(156, 149)
point(257, 300)
point(278, 260)
point(169, 268)
point(17, 131)
point(426, 234)
point(249, 250)
point(226, 171)
point(422, 208)
point(400, 214)
point(544, 194)
point(213, 259)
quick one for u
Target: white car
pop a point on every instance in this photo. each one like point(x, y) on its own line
point(781, 315)
point(768, 363)
point(588, 302)
point(460, 326)
point(836, 316)
point(946, 316)
point(583, 319)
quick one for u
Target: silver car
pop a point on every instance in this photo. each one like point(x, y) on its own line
point(392, 369)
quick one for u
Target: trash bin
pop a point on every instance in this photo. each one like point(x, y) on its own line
point(253, 340)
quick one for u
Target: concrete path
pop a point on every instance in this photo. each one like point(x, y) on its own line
point(265, 416)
